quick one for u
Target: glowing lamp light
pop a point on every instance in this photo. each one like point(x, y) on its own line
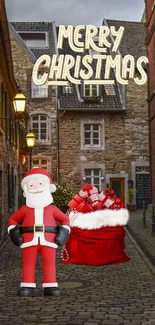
point(19, 103)
point(30, 139)
point(23, 160)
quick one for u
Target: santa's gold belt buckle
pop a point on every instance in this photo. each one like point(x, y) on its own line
point(38, 226)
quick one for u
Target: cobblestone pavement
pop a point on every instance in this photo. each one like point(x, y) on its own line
point(114, 294)
point(143, 235)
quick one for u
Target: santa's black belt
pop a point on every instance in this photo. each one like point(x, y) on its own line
point(34, 229)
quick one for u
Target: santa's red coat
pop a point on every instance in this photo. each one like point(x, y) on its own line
point(45, 216)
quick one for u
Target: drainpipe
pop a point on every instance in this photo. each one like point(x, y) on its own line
point(57, 111)
point(57, 137)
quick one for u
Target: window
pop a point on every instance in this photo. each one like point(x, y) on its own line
point(2, 107)
point(91, 91)
point(39, 91)
point(68, 89)
point(92, 134)
point(110, 90)
point(8, 117)
point(40, 127)
point(96, 42)
point(42, 163)
point(93, 176)
point(35, 39)
point(10, 187)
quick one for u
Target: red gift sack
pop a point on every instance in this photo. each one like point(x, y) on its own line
point(96, 247)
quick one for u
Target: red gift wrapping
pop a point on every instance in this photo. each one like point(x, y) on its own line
point(96, 247)
point(79, 204)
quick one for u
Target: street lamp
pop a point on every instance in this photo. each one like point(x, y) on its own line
point(19, 103)
point(30, 140)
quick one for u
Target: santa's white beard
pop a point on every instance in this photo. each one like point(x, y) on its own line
point(39, 200)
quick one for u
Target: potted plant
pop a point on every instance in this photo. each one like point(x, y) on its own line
point(130, 205)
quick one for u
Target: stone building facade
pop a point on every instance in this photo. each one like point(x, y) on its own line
point(120, 120)
point(102, 142)
point(11, 130)
point(150, 41)
point(37, 39)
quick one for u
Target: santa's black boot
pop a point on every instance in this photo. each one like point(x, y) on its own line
point(26, 292)
point(52, 291)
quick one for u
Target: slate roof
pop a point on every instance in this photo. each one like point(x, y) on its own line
point(48, 27)
point(21, 43)
point(133, 41)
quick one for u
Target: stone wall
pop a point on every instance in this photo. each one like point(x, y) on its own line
point(126, 139)
point(126, 132)
point(23, 71)
point(7, 158)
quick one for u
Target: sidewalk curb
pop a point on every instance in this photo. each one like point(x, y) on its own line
point(143, 252)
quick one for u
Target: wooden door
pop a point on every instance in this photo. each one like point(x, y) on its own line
point(118, 185)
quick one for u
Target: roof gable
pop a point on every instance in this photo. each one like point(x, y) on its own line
point(133, 41)
point(21, 43)
point(47, 27)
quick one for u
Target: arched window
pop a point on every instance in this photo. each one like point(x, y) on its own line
point(40, 127)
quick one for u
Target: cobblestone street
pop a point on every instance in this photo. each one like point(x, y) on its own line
point(113, 294)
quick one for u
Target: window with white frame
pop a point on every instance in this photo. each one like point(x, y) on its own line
point(93, 176)
point(92, 135)
point(42, 163)
point(96, 42)
point(39, 91)
point(68, 89)
point(35, 39)
point(40, 127)
point(110, 90)
point(91, 91)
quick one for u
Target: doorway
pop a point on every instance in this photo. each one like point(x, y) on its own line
point(118, 185)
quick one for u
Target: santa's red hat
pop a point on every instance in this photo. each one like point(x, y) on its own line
point(37, 173)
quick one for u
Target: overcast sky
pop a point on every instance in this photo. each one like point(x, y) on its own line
point(74, 12)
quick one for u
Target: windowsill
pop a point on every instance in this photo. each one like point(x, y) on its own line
point(43, 142)
point(41, 97)
point(92, 148)
point(38, 47)
point(91, 99)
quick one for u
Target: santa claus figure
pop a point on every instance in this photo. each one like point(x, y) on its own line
point(38, 232)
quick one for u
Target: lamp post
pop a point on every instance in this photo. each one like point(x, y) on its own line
point(30, 140)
